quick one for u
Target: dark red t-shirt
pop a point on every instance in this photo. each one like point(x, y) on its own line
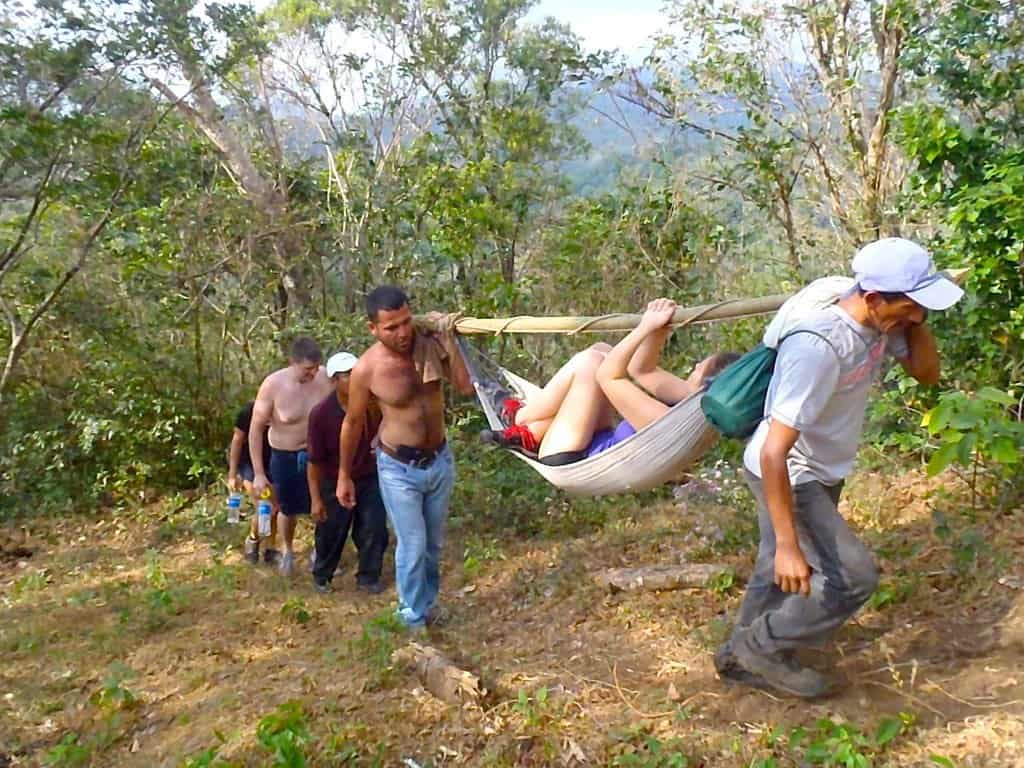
point(323, 440)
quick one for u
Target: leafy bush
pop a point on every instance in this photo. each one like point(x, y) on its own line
point(982, 431)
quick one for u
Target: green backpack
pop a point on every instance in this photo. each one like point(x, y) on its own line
point(734, 402)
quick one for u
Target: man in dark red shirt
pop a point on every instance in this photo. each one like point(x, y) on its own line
point(367, 518)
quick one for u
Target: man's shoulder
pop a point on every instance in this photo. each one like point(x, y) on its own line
point(273, 380)
point(369, 359)
point(824, 329)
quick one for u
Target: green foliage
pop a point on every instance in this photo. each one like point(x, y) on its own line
point(377, 643)
point(892, 592)
point(69, 753)
point(477, 554)
point(534, 709)
point(969, 154)
point(982, 430)
point(638, 749)
point(723, 583)
point(294, 610)
point(836, 745)
point(113, 694)
point(285, 735)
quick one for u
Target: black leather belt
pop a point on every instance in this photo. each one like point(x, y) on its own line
point(414, 457)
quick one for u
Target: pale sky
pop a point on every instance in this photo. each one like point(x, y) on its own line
point(627, 25)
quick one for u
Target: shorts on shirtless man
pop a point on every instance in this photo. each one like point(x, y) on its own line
point(284, 401)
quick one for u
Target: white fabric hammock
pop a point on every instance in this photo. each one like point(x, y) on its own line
point(654, 455)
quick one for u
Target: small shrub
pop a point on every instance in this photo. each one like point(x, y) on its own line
point(284, 734)
point(68, 753)
point(295, 611)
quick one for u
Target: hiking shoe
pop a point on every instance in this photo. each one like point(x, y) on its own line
point(781, 672)
point(731, 673)
point(287, 566)
point(252, 550)
point(271, 556)
point(516, 436)
point(323, 587)
point(370, 587)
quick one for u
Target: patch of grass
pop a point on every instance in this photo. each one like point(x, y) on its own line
point(113, 693)
point(208, 758)
point(285, 734)
point(713, 634)
point(352, 744)
point(893, 592)
point(161, 600)
point(295, 611)
point(535, 709)
point(30, 583)
point(376, 643)
point(27, 640)
point(68, 753)
point(834, 744)
point(225, 576)
point(477, 553)
point(636, 748)
point(723, 583)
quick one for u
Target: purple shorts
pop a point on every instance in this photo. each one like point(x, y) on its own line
point(606, 438)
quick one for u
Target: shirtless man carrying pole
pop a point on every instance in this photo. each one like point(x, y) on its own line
point(404, 370)
point(284, 401)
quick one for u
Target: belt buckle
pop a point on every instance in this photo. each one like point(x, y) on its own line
point(423, 462)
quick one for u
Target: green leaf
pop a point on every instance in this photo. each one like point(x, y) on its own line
point(965, 448)
point(941, 459)
point(939, 416)
point(945, 762)
point(888, 730)
point(994, 395)
point(1005, 451)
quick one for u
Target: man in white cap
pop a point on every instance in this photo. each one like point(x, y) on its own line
point(812, 573)
point(367, 517)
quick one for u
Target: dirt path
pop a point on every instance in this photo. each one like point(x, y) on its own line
point(135, 641)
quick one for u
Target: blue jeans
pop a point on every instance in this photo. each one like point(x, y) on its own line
point(416, 499)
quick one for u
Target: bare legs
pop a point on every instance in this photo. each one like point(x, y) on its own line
point(565, 414)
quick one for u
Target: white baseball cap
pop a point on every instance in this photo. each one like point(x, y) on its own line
point(895, 265)
point(341, 362)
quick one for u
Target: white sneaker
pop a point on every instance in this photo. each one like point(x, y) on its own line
point(287, 564)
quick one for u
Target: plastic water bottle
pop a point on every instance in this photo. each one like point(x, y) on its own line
point(234, 507)
point(263, 514)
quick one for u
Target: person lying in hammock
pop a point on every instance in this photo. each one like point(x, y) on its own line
point(575, 415)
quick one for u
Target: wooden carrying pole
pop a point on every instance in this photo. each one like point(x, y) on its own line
point(731, 309)
point(725, 310)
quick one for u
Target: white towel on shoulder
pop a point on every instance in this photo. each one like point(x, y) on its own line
point(822, 293)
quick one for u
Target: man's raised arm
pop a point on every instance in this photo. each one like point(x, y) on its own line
point(458, 374)
point(352, 430)
point(922, 362)
point(261, 412)
point(455, 367)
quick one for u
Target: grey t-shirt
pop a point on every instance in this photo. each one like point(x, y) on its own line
point(820, 387)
